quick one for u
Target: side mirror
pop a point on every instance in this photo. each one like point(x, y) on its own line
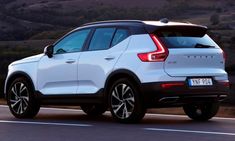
point(48, 50)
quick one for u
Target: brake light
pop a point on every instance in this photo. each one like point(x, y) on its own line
point(159, 55)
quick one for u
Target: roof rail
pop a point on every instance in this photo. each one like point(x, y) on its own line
point(112, 21)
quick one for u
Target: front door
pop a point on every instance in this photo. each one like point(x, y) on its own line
point(59, 74)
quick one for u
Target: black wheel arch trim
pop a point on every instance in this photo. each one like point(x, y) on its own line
point(21, 73)
point(120, 72)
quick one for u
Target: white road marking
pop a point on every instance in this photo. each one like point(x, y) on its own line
point(148, 114)
point(189, 131)
point(45, 123)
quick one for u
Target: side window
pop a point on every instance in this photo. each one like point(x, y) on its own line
point(101, 39)
point(72, 43)
point(120, 35)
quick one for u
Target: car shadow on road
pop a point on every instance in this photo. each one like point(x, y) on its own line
point(172, 121)
point(72, 117)
point(107, 119)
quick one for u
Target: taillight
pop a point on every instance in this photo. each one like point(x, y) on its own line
point(159, 55)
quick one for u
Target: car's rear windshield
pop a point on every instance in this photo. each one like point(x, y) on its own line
point(182, 39)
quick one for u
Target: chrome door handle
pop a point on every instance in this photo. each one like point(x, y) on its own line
point(109, 58)
point(70, 61)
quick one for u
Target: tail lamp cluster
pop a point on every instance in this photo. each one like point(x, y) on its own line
point(159, 55)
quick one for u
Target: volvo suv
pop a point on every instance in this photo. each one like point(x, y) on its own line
point(125, 66)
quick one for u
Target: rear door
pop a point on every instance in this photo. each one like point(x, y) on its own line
point(105, 47)
point(191, 53)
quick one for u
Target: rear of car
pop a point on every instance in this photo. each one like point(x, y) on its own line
point(193, 63)
point(186, 68)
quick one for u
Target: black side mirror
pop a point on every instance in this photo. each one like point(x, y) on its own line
point(48, 50)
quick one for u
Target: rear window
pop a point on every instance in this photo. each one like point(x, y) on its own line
point(184, 37)
point(183, 40)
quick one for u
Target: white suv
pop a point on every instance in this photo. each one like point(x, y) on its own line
point(126, 66)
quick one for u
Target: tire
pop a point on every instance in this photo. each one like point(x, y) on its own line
point(125, 102)
point(21, 99)
point(93, 110)
point(201, 112)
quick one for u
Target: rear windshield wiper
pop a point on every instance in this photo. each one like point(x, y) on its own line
point(203, 46)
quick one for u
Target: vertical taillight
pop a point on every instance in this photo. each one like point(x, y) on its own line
point(159, 55)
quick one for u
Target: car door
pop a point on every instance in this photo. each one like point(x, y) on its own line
point(58, 75)
point(105, 47)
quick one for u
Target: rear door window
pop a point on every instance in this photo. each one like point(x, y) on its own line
point(101, 39)
point(120, 35)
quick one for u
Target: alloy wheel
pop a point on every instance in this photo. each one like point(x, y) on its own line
point(122, 101)
point(19, 98)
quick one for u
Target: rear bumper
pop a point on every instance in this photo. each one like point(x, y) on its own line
point(157, 96)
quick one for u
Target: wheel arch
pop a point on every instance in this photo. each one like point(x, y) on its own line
point(15, 75)
point(121, 73)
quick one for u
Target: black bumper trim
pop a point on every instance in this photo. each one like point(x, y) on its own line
point(153, 93)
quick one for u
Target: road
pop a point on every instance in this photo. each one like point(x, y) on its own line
point(54, 124)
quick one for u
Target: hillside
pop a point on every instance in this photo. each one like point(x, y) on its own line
point(43, 19)
point(26, 25)
point(35, 16)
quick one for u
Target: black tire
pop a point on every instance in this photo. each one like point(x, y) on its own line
point(201, 112)
point(93, 109)
point(21, 99)
point(131, 107)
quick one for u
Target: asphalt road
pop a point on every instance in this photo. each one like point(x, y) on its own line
point(73, 125)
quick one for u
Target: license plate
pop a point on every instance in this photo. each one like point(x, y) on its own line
point(200, 82)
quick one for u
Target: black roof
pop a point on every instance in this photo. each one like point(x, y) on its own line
point(141, 27)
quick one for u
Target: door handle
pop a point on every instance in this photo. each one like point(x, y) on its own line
point(70, 61)
point(109, 58)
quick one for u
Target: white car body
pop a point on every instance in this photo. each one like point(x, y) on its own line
point(169, 62)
